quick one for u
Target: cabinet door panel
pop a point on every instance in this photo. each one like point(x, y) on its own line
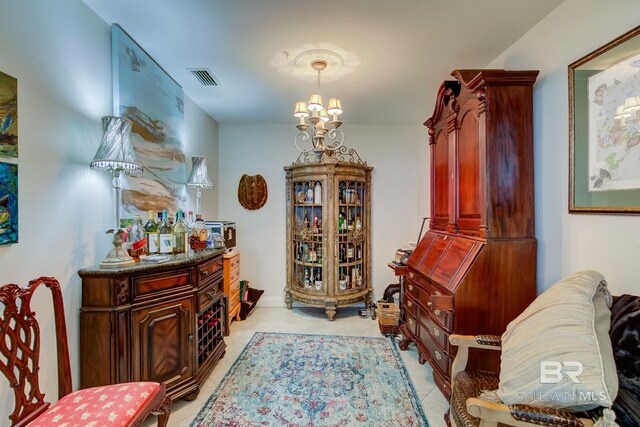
point(468, 175)
point(441, 187)
point(165, 335)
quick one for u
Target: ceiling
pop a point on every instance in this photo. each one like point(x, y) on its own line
point(396, 52)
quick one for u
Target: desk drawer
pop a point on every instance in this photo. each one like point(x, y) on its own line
point(438, 333)
point(145, 287)
point(207, 296)
point(208, 269)
point(437, 355)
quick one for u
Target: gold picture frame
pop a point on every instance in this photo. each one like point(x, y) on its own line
point(604, 129)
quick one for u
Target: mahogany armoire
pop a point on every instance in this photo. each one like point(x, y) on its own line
point(475, 268)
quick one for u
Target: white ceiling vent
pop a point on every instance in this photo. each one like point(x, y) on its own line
point(204, 76)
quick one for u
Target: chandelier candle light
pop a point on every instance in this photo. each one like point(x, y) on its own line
point(314, 116)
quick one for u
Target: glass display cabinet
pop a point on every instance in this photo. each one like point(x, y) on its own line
point(328, 232)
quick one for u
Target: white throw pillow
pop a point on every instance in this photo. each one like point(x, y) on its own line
point(558, 353)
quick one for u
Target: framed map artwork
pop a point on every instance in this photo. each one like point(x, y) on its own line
point(604, 128)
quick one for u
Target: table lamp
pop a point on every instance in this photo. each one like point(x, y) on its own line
point(115, 155)
point(199, 178)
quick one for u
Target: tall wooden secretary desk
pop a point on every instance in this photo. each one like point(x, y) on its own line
point(475, 269)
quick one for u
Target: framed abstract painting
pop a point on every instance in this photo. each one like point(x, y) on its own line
point(145, 94)
point(8, 115)
point(8, 203)
point(604, 129)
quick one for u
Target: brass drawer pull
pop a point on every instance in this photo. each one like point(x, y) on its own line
point(437, 312)
point(205, 273)
point(211, 294)
point(410, 322)
point(410, 288)
point(437, 355)
point(409, 304)
point(411, 275)
point(436, 332)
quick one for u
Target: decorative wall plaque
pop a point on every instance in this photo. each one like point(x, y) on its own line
point(252, 192)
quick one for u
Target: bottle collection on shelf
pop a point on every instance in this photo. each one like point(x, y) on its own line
point(166, 236)
point(308, 250)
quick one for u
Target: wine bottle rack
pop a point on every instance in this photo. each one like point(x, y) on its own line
point(210, 324)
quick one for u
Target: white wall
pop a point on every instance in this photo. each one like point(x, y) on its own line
point(60, 52)
point(398, 155)
point(568, 243)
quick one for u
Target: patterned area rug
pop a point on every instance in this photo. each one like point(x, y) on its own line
point(314, 380)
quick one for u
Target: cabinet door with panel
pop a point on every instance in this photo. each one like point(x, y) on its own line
point(165, 336)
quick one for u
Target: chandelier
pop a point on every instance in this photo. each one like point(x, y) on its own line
point(314, 124)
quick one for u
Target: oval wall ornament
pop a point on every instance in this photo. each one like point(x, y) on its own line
point(252, 192)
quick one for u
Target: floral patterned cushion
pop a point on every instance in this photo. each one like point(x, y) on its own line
point(113, 405)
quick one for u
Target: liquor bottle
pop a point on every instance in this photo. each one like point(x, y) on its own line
point(350, 251)
point(319, 254)
point(165, 235)
point(317, 193)
point(342, 279)
point(359, 253)
point(179, 235)
point(319, 280)
point(137, 239)
point(151, 228)
point(306, 220)
point(350, 223)
point(343, 254)
point(358, 222)
point(306, 278)
point(299, 251)
point(312, 254)
point(203, 235)
point(159, 220)
point(315, 224)
point(305, 252)
point(310, 195)
point(340, 221)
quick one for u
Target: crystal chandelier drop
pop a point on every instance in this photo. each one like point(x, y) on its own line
point(315, 124)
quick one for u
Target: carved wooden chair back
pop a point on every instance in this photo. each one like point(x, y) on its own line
point(20, 348)
point(109, 405)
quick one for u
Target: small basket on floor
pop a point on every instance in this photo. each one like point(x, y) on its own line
point(388, 318)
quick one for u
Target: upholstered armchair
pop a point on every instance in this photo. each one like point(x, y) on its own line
point(468, 410)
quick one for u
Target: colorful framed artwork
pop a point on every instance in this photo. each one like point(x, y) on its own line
point(604, 128)
point(8, 203)
point(8, 115)
point(145, 94)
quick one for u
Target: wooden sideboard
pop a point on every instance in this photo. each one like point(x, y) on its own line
point(153, 322)
point(475, 269)
point(232, 287)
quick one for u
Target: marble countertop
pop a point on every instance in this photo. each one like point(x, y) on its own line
point(176, 261)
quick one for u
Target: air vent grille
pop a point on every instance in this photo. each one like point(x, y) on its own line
point(204, 76)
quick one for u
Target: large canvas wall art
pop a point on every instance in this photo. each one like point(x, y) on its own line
point(8, 115)
point(145, 94)
point(8, 203)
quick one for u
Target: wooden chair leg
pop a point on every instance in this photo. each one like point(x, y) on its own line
point(163, 411)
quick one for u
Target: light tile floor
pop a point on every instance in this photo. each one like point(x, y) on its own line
point(311, 321)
